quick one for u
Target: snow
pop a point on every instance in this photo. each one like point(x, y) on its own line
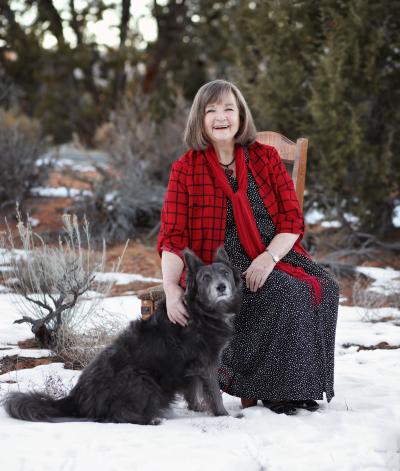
point(359, 430)
point(123, 278)
point(316, 216)
point(396, 215)
point(331, 224)
point(28, 353)
point(386, 280)
point(59, 192)
point(33, 221)
point(7, 255)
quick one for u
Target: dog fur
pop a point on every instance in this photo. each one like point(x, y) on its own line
point(137, 377)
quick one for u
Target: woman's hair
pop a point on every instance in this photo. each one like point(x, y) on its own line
point(195, 136)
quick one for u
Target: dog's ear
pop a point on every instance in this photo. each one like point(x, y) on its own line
point(193, 262)
point(237, 277)
point(221, 256)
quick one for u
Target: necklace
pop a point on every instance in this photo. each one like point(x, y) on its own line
point(227, 170)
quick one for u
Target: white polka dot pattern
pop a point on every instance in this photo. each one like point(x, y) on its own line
point(283, 346)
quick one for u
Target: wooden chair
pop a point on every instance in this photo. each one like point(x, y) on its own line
point(293, 155)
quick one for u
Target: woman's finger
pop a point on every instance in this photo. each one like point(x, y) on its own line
point(258, 281)
point(182, 321)
point(252, 280)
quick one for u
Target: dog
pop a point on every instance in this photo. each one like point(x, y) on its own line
point(137, 377)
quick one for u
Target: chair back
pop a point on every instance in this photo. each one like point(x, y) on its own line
point(293, 155)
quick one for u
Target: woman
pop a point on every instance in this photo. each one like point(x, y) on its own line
point(229, 189)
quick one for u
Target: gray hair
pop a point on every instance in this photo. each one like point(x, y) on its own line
point(195, 136)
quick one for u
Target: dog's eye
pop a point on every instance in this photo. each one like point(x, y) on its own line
point(206, 277)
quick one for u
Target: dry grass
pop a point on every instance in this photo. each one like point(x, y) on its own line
point(49, 284)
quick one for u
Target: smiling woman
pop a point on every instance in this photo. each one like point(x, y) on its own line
point(231, 190)
point(221, 123)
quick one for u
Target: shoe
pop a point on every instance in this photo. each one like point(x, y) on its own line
point(307, 404)
point(248, 402)
point(280, 407)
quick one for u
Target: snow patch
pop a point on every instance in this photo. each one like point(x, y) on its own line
point(59, 192)
point(123, 278)
point(386, 280)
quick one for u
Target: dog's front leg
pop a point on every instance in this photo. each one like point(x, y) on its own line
point(194, 395)
point(212, 392)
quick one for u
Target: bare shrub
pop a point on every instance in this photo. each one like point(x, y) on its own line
point(50, 282)
point(21, 144)
point(370, 300)
point(138, 144)
point(119, 208)
point(129, 196)
point(55, 387)
point(77, 349)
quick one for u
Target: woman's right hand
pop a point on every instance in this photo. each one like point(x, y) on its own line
point(176, 310)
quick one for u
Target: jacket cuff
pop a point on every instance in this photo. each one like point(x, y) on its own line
point(289, 227)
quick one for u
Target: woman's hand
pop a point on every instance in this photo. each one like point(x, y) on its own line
point(258, 271)
point(176, 310)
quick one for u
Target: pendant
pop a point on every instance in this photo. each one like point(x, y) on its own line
point(228, 172)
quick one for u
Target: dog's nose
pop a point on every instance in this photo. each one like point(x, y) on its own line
point(221, 288)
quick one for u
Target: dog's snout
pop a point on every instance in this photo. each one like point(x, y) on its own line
point(221, 287)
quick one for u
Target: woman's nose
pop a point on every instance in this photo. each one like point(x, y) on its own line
point(220, 115)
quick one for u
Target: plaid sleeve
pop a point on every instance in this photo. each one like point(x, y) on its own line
point(290, 216)
point(173, 235)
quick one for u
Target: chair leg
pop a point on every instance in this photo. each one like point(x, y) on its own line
point(248, 402)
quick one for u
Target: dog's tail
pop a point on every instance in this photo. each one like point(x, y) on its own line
point(38, 407)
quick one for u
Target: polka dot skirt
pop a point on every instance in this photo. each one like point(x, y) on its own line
point(283, 346)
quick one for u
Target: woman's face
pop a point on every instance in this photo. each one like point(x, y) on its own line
point(221, 120)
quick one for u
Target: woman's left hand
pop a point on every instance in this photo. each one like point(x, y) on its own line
point(258, 271)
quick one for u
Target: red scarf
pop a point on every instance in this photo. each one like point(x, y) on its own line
point(246, 226)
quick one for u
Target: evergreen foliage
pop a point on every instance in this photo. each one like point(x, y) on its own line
point(330, 71)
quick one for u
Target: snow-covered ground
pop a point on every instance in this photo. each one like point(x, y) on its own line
point(358, 430)
point(59, 192)
point(316, 216)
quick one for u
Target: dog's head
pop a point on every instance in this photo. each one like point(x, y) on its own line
point(216, 287)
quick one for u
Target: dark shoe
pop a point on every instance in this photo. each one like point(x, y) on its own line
point(280, 407)
point(307, 404)
point(248, 402)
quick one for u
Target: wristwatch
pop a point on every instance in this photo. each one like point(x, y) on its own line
point(275, 258)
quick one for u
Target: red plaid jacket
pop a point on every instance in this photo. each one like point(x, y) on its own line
point(194, 211)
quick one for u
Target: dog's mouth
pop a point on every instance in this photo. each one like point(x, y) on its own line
point(222, 297)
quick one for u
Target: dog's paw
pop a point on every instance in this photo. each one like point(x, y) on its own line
point(156, 421)
point(198, 407)
point(221, 412)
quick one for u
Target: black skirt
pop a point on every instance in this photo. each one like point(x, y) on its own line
point(283, 345)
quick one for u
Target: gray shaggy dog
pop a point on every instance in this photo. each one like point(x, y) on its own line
point(136, 377)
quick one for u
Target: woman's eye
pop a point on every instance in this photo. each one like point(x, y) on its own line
point(208, 111)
